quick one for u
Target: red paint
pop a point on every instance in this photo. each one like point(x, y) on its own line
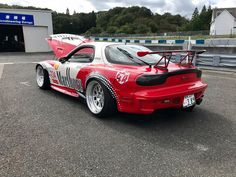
point(61, 48)
point(133, 98)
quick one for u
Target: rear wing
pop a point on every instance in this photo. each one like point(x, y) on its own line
point(188, 57)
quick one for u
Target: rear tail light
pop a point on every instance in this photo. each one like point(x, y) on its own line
point(150, 80)
point(158, 79)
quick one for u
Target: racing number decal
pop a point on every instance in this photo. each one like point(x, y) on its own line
point(68, 81)
point(122, 77)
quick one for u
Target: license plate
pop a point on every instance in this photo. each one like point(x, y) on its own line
point(189, 100)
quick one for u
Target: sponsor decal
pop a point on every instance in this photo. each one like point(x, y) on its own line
point(68, 81)
point(122, 77)
point(52, 74)
point(56, 66)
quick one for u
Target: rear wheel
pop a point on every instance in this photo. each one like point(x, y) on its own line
point(99, 99)
point(42, 78)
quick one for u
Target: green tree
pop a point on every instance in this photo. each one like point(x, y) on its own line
point(67, 11)
point(209, 8)
point(129, 20)
point(199, 22)
point(204, 10)
point(195, 14)
point(112, 29)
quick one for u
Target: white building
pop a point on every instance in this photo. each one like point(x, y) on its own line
point(23, 30)
point(223, 21)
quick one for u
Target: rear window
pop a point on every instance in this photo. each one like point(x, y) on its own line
point(127, 55)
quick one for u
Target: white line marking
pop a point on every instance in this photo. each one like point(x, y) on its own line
point(19, 63)
point(25, 83)
point(1, 70)
point(6, 63)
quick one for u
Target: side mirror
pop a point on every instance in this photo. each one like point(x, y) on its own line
point(62, 60)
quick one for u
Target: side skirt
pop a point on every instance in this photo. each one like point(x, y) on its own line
point(67, 91)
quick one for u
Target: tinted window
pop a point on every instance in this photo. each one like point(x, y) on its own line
point(115, 54)
point(83, 55)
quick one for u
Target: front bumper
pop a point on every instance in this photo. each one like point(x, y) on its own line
point(147, 101)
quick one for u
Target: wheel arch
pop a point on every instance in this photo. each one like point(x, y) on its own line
point(105, 82)
point(40, 64)
point(46, 83)
point(43, 66)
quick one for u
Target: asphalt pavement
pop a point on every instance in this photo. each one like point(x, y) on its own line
point(46, 133)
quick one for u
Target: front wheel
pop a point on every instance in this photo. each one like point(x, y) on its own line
point(42, 78)
point(99, 100)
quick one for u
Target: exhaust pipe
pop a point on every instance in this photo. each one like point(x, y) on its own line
point(199, 101)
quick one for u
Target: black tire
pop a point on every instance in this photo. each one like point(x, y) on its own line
point(109, 107)
point(45, 84)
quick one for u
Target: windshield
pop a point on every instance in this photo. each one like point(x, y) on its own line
point(127, 55)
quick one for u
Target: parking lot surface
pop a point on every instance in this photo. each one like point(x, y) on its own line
point(46, 133)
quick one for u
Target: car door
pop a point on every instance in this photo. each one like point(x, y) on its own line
point(68, 70)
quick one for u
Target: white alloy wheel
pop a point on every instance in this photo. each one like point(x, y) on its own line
point(40, 76)
point(95, 97)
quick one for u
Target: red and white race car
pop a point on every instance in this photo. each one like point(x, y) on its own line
point(128, 78)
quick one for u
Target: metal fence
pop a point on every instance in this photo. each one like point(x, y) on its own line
point(211, 60)
point(216, 60)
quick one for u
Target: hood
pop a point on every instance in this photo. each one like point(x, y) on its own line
point(63, 44)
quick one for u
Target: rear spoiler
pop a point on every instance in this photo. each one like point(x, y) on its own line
point(167, 55)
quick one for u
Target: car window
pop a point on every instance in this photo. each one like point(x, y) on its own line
point(115, 54)
point(83, 55)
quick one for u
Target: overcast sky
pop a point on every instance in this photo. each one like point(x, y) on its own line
point(183, 7)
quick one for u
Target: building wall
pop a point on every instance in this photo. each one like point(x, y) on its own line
point(35, 39)
point(35, 35)
point(223, 24)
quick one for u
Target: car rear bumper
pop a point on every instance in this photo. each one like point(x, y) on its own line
point(147, 101)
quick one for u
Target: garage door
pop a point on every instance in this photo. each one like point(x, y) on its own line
point(35, 39)
point(11, 38)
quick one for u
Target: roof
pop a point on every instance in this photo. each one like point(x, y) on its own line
point(25, 10)
point(217, 11)
point(220, 13)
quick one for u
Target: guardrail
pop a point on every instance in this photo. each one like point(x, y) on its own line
point(138, 40)
point(212, 60)
point(216, 60)
point(148, 41)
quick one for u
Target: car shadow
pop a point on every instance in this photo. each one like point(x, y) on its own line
point(210, 136)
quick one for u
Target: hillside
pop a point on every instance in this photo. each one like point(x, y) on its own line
point(121, 20)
